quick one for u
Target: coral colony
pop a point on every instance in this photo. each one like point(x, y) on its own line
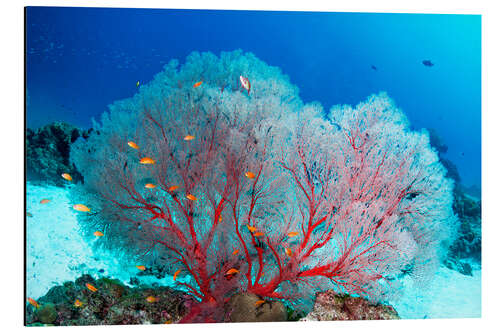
point(218, 171)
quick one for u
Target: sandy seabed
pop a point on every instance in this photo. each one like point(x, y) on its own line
point(56, 252)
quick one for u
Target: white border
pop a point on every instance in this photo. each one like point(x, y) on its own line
point(12, 141)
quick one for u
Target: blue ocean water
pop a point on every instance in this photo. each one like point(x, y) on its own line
point(79, 60)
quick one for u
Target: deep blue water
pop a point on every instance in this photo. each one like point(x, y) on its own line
point(79, 60)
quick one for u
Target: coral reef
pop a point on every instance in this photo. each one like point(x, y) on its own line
point(243, 308)
point(47, 153)
point(332, 306)
point(111, 304)
point(249, 191)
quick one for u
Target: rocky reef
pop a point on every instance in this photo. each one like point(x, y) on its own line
point(332, 306)
point(113, 303)
point(47, 153)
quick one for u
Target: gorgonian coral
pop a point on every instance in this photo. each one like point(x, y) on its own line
point(253, 191)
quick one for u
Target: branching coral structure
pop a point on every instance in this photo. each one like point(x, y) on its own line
point(253, 191)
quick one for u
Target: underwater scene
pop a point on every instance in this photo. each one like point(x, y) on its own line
point(211, 166)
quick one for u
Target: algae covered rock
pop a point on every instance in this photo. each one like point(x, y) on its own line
point(243, 308)
point(47, 313)
point(332, 306)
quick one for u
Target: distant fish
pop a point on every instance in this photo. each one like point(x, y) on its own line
point(90, 287)
point(44, 201)
point(259, 302)
point(245, 83)
point(258, 234)
point(149, 185)
point(427, 63)
point(28, 214)
point(288, 252)
point(251, 229)
point(250, 175)
point(173, 188)
point(191, 197)
point(67, 176)
point(147, 160)
point(141, 267)
point(138, 83)
point(373, 67)
point(197, 84)
point(78, 303)
point(101, 270)
point(189, 137)
point(235, 252)
point(33, 302)
point(151, 299)
point(293, 234)
point(81, 208)
point(98, 234)
point(232, 271)
point(133, 144)
point(176, 273)
point(168, 322)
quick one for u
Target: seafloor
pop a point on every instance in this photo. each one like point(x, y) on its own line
point(56, 252)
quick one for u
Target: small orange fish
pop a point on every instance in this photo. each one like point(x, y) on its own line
point(98, 234)
point(197, 84)
point(191, 197)
point(141, 267)
point(258, 234)
point(288, 252)
point(67, 176)
point(259, 302)
point(189, 137)
point(133, 144)
point(44, 201)
point(173, 188)
point(28, 214)
point(232, 271)
point(251, 229)
point(176, 273)
point(293, 234)
point(168, 322)
point(245, 83)
point(235, 252)
point(220, 219)
point(151, 299)
point(33, 302)
point(250, 175)
point(149, 185)
point(78, 303)
point(81, 208)
point(147, 160)
point(90, 287)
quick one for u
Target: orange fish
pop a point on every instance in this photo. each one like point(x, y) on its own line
point(258, 234)
point(149, 185)
point(245, 83)
point(173, 188)
point(259, 302)
point(147, 160)
point(251, 229)
point(191, 197)
point(197, 84)
point(232, 271)
point(288, 252)
point(78, 303)
point(141, 267)
point(81, 208)
point(176, 273)
point(67, 176)
point(44, 201)
point(293, 234)
point(250, 174)
point(33, 302)
point(28, 214)
point(90, 287)
point(235, 252)
point(133, 144)
point(220, 218)
point(189, 137)
point(98, 234)
point(151, 299)
point(168, 322)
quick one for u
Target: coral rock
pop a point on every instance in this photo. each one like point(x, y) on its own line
point(242, 308)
